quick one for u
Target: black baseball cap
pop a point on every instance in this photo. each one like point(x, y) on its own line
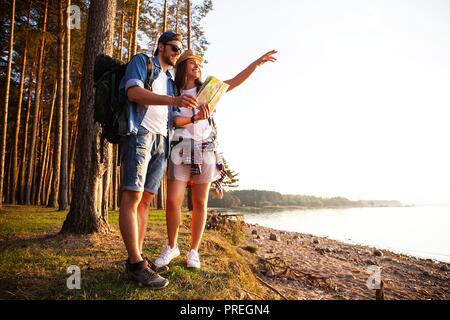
point(167, 37)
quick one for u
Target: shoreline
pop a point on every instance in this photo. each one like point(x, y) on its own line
point(324, 268)
point(411, 253)
point(286, 208)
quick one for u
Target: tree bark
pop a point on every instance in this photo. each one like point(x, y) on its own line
point(49, 178)
point(59, 112)
point(188, 10)
point(23, 167)
point(115, 178)
point(36, 160)
point(73, 143)
point(86, 215)
point(36, 110)
point(15, 150)
point(5, 106)
point(135, 27)
point(122, 25)
point(165, 16)
point(189, 199)
point(64, 183)
point(177, 16)
point(41, 187)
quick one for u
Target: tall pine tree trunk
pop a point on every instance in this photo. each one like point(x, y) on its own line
point(85, 214)
point(6, 103)
point(165, 16)
point(122, 26)
point(135, 27)
point(36, 159)
point(188, 10)
point(59, 112)
point(64, 183)
point(23, 167)
point(73, 143)
point(15, 150)
point(37, 103)
point(41, 186)
point(177, 16)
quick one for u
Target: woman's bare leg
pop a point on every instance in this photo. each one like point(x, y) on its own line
point(200, 194)
point(175, 196)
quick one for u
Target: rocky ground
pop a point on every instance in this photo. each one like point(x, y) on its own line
point(301, 266)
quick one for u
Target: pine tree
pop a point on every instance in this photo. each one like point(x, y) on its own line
point(87, 212)
point(6, 103)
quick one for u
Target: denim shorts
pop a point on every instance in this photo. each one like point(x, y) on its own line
point(143, 161)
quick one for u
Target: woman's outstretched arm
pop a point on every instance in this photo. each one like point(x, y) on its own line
point(245, 74)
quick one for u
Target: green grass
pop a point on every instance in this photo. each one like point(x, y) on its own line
point(34, 259)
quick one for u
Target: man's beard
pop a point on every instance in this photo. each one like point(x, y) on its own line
point(167, 60)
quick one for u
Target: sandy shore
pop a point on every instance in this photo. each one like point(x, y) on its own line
point(302, 266)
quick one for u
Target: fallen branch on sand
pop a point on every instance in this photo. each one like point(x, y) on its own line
point(287, 271)
point(270, 287)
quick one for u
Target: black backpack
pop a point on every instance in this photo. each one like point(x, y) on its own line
point(110, 108)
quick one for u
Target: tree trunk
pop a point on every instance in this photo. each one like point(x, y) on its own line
point(130, 43)
point(188, 10)
point(15, 149)
point(165, 16)
point(37, 103)
point(64, 183)
point(115, 180)
point(135, 28)
point(73, 140)
point(161, 194)
point(106, 183)
point(122, 25)
point(189, 199)
point(5, 110)
point(49, 178)
point(36, 159)
point(23, 167)
point(73, 143)
point(85, 215)
point(177, 16)
point(39, 161)
point(59, 112)
point(41, 187)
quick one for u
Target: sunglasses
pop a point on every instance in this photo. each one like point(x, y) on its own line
point(174, 48)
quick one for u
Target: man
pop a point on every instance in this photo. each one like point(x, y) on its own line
point(146, 148)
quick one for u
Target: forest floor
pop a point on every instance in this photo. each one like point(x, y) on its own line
point(34, 260)
point(239, 261)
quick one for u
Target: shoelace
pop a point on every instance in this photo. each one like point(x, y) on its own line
point(165, 254)
point(149, 274)
point(194, 257)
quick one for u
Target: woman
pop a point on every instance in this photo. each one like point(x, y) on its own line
point(196, 159)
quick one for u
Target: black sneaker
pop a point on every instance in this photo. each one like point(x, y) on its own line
point(153, 267)
point(145, 277)
point(159, 270)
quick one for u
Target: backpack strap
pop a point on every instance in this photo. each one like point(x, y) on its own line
point(150, 74)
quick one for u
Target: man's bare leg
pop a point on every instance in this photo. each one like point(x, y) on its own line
point(142, 216)
point(128, 222)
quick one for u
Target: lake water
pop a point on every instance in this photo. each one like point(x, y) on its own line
point(422, 231)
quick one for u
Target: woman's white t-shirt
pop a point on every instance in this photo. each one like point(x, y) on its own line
point(200, 130)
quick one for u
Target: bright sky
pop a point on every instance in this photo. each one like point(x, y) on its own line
point(356, 106)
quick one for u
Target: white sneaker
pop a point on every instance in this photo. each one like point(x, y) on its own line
point(167, 256)
point(193, 260)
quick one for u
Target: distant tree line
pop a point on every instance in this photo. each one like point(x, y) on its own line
point(261, 199)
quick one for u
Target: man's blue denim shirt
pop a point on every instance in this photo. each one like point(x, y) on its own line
point(136, 75)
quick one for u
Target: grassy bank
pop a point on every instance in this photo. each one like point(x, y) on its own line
point(34, 259)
